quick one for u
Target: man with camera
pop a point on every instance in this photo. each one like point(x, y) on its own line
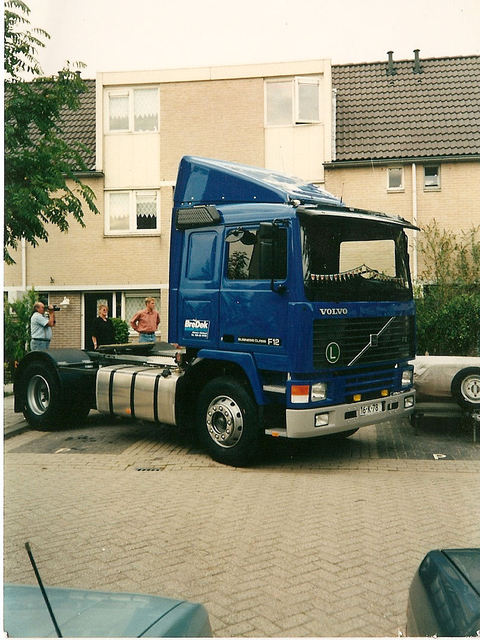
point(41, 326)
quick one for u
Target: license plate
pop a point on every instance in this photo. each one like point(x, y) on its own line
point(373, 407)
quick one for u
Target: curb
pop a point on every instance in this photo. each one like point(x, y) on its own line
point(15, 430)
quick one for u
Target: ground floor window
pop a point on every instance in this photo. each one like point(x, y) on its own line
point(135, 301)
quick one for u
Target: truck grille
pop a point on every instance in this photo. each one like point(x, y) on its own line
point(348, 341)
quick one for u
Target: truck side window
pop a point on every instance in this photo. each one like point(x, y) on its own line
point(250, 257)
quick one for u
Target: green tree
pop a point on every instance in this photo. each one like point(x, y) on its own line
point(41, 182)
point(16, 319)
point(448, 309)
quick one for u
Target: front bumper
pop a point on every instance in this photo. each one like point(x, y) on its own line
point(344, 417)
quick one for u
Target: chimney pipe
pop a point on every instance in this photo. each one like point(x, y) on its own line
point(417, 67)
point(391, 71)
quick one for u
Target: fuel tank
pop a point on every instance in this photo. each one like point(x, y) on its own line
point(146, 393)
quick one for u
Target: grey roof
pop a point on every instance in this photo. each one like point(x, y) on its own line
point(79, 126)
point(408, 115)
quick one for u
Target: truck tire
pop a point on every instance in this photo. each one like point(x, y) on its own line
point(227, 422)
point(466, 388)
point(43, 405)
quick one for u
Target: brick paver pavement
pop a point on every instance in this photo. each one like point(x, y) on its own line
point(315, 546)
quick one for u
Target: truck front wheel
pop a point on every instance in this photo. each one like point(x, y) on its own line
point(42, 408)
point(227, 422)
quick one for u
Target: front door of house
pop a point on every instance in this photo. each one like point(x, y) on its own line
point(92, 302)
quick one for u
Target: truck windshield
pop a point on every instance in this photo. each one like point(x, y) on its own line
point(353, 259)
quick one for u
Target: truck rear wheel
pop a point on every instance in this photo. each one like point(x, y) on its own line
point(227, 422)
point(43, 407)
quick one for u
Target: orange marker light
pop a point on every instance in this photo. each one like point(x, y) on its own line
point(300, 393)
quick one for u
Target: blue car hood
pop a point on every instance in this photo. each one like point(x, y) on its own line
point(81, 613)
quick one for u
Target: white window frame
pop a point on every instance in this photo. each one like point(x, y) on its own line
point(295, 97)
point(402, 184)
point(132, 210)
point(129, 92)
point(431, 187)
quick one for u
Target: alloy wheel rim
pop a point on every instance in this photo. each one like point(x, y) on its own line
point(224, 421)
point(38, 395)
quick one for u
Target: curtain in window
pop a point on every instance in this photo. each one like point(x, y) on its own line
point(146, 109)
point(118, 113)
point(146, 211)
point(119, 212)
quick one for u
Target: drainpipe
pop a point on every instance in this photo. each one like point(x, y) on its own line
point(334, 125)
point(414, 220)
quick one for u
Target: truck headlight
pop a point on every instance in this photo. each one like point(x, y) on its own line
point(319, 391)
point(407, 378)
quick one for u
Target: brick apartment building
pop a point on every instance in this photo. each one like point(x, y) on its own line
point(360, 131)
point(407, 140)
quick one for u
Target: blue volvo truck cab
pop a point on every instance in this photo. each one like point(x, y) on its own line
point(290, 314)
point(305, 302)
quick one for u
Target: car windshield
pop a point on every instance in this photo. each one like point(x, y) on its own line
point(346, 258)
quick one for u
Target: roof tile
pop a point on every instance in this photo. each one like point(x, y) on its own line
point(432, 113)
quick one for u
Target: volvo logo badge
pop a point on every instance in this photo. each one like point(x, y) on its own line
point(332, 352)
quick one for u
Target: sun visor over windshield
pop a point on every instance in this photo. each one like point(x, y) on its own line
point(358, 214)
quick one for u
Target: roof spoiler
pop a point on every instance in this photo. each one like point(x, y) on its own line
point(207, 181)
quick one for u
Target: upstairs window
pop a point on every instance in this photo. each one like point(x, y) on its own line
point(132, 212)
point(431, 177)
point(292, 101)
point(395, 179)
point(133, 110)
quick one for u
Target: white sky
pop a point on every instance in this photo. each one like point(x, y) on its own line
point(113, 35)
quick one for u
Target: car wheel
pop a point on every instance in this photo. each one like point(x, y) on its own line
point(227, 422)
point(43, 408)
point(466, 388)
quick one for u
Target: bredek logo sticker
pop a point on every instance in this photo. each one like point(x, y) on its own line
point(197, 328)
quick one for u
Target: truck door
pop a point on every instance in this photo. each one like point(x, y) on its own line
point(254, 298)
point(198, 290)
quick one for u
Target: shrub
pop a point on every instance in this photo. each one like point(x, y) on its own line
point(448, 309)
point(121, 330)
point(16, 319)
